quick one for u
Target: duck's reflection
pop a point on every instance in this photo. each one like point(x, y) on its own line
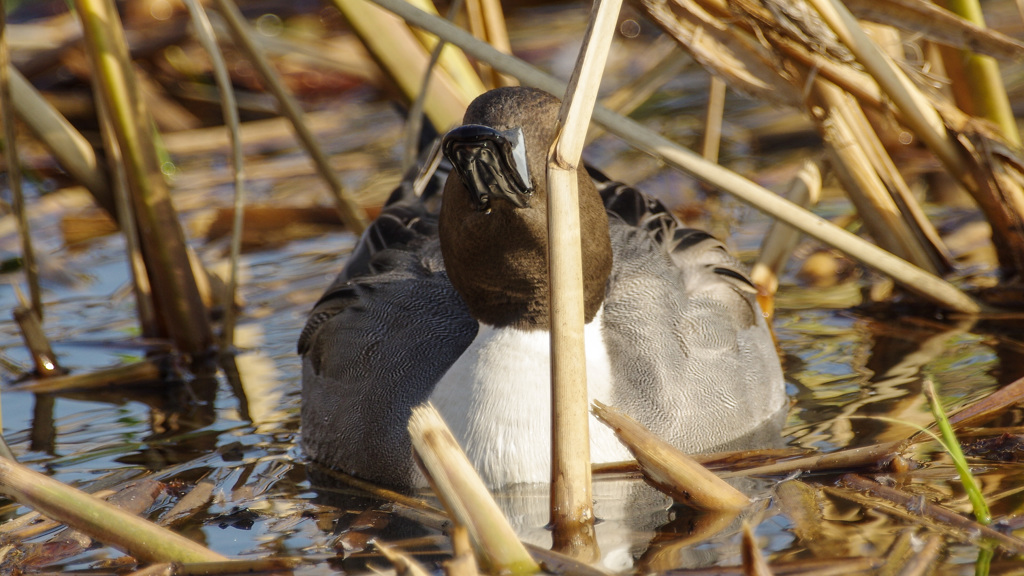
point(637, 525)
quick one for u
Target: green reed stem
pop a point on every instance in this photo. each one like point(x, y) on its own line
point(983, 565)
point(984, 84)
point(952, 445)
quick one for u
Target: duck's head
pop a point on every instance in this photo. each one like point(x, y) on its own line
point(493, 224)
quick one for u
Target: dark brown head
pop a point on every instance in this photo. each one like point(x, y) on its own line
point(493, 224)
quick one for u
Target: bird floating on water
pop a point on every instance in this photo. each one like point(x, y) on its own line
point(451, 306)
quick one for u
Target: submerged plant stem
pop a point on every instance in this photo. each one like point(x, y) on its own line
point(952, 446)
point(885, 497)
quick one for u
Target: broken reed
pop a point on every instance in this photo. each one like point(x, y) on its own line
point(465, 496)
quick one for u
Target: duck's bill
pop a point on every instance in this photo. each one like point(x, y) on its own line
point(491, 163)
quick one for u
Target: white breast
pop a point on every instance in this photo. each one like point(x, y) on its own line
point(497, 401)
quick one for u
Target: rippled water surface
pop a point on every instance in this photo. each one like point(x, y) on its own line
point(855, 373)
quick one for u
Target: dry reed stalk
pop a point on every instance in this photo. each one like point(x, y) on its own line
point(917, 111)
point(740, 59)
point(414, 120)
point(465, 496)
point(751, 18)
point(451, 59)
point(68, 146)
point(183, 315)
point(923, 232)
point(754, 563)
point(351, 212)
point(487, 22)
point(100, 520)
point(36, 341)
point(425, 514)
point(920, 282)
point(28, 254)
point(572, 512)
point(190, 504)
point(921, 17)
point(135, 373)
point(849, 458)
point(463, 563)
point(869, 175)
point(927, 286)
point(976, 154)
point(730, 460)
point(668, 469)
point(911, 516)
point(234, 567)
point(167, 113)
point(497, 36)
point(35, 524)
point(891, 499)
point(316, 53)
point(712, 141)
point(133, 499)
point(124, 213)
point(667, 62)
point(263, 136)
point(229, 108)
point(404, 564)
point(1000, 195)
point(405, 60)
point(5, 449)
point(778, 243)
point(857, 154)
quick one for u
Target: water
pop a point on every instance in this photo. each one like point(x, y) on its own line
point(854, 376)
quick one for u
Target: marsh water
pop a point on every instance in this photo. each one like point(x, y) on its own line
point(854, 369)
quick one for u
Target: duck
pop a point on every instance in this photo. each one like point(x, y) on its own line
point(445, 300)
